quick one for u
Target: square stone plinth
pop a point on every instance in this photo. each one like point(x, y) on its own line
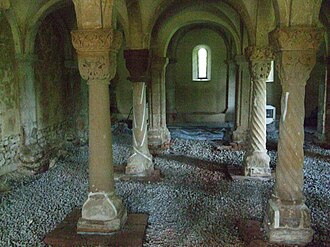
point(65, 234)
point(154, 177)
point(237, 173)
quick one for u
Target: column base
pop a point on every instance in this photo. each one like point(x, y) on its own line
point(102, 213)
point(159, 140)
point(240, 135)
point(256, 164)
point(288, 223)
point(139, 165)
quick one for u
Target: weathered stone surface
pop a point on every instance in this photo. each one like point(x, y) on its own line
point(65, 234)
point(256, 160)
point(102, 213)
point(288, 218)
point(158, 135)
point(140, 162)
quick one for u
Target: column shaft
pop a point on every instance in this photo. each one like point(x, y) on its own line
point(288, 218)
point(140, 162)
point(159, 136)
point(103, 211)
point(100, 145)
point(327, 108)
point(256, 160)
point(27, 99)
point(242, 100)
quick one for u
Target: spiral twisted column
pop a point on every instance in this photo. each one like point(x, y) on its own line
point(288, 218)
point(140, 162)
point(256, 162)
point(96, 45)
point(158, 135)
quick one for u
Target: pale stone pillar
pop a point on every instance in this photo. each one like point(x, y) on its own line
point(170, 91)
point(27, 99)
point(103, 211)
point(158, 136)
point(256, 161)
point(288, 218)
point(231, 86)
point(321, 115)
point(243, 88)
point(140, 162)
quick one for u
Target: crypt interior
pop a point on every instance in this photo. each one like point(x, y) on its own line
point(210, 118)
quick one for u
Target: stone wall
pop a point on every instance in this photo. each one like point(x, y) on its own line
point(201, 101)
point(9, 107)
point(53, 92)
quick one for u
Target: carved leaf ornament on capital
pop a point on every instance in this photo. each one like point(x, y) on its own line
point(93, 48)
point(260, 62)
point(296, 47)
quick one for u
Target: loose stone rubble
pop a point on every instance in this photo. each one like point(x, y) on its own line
point(195, 205)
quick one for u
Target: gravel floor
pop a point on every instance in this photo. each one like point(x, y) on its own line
point(195, 205)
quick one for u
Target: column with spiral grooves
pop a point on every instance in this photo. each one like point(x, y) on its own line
point(288, 218)
point(256, 162)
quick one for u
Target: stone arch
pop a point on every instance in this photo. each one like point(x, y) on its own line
point(11, 18)
point(52, 6)
point(135, 38)
point(162, 36)
point(36, 21)
point(237, 5)
point(231, 51)
point(296, 12)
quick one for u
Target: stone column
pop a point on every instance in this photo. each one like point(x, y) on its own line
point(256, 161)
point(170, 90)
point(103, 211)
point(288, 218)
point(327, 107)
point(140, 162)
point(321, 115)
point(159, 137)
point(243, 85)
point(232, 73)
point(27, 100)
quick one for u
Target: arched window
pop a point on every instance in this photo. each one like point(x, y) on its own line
point(201, 62)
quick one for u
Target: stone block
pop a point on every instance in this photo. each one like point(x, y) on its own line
point(65, 234)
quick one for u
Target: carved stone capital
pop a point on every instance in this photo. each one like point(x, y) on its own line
point(93, 40)
point(294, 67)
point(158, 63)
point(137, 63)
point(296, 38)
point(254, 53)
point(93, 47)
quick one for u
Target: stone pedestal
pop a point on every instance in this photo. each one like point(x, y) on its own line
point(158, 135)
point(288, 219)
point(103, 211)
point(288, 223)
point(140, 162)
point(243, 84)
point(256, 162)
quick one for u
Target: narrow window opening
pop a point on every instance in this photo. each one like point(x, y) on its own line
point(202, 63)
